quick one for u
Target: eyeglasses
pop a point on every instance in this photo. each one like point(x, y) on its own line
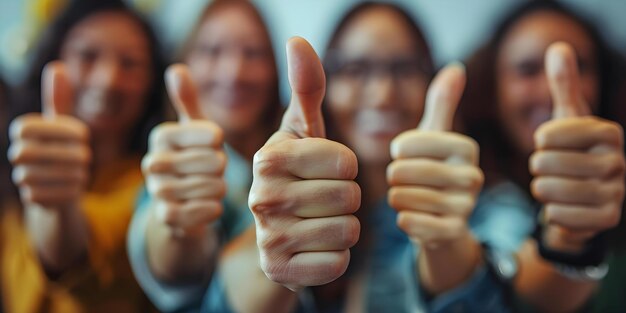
point(362, 69)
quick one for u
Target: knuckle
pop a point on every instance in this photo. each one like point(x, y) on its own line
point(263, 199)
point(220, 188)
point(171, 213)
point(537, 189)
point(159, 133)
point(466, 203)
point(275, 270)
point(352, 231)
point(474, 178)
point(612, 131)
point(268, 161)
point(349, 197)
point(535, 162)
point(393, 197)
point(347, 163)
point(16, 152)
point(273, 241)
point(393, 172)
point(336, 269)
point(156, 163)
point(162, 189)
point(614, 165)
point(403, 221)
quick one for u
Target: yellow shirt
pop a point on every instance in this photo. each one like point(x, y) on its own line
point(106, 283)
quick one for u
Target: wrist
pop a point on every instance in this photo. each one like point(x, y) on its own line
point(461, 240)
point(561, 239)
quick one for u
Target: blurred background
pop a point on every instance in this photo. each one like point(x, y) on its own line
point(454, 27)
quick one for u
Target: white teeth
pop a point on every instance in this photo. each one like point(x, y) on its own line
point(92, 104)
point(379, 122)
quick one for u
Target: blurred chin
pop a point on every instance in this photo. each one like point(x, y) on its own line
point(372, 151)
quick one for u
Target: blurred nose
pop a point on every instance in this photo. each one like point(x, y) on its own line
point(380, 91)
point(230, 68)
point(105, 75)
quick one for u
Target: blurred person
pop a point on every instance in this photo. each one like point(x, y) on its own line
point(306, 192)
point(514, 108)
point(199, 169)
point(83, 115)
point(5, 181)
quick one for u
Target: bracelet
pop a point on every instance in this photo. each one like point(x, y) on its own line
point(592, 255)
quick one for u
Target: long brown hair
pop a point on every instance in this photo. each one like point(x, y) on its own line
point(274, 107)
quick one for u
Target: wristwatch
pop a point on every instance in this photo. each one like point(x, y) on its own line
point(502, 264)
point(586, 273)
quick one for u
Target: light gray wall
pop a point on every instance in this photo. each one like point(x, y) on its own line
point(454, 27)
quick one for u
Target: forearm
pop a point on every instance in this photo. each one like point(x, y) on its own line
point(544, 287)
point(176, 258)
point(60, 236)
point(247, 287)
point(446, 267)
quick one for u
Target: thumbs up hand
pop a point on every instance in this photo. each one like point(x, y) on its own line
point(50, 152)
point(303, 195)
point(578, 163)
point(185, 162)
point(434, 177)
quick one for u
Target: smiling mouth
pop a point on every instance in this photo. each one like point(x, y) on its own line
point(379, 124)
point(99, 105)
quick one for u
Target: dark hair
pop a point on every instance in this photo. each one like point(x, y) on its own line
point(49, 49)
point(5, 182)
point(274, 107)
point(499, 158)
point(414, 28)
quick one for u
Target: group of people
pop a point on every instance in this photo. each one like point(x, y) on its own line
point(384, 185)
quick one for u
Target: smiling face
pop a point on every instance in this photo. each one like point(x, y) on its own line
point(110, 74)
point(522, 89)
point(379, 86)
point(231, 61)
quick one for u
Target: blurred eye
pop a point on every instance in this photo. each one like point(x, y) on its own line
point(87, 56)
point(406, 68)
point(354, 69)
point(211, 51)
point(129, 63)
point(528, 68)
point(255, 53)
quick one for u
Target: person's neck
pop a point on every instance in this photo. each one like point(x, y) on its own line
point(247, 143)
point(107, 149)
point(373, 180)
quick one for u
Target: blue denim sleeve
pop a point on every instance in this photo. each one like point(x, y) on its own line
point(503, 218)
point(215, 300)
point(481, 293)
point(166, 298)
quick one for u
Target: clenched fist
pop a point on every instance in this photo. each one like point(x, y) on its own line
point(303, 195)
point(434, 177)
point(186, 162)
point(50, 152)
point(578, 163)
